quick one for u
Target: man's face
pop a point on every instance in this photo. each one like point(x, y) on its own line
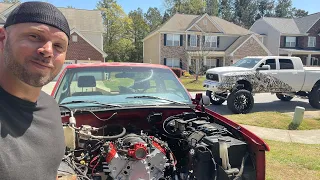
point(33, 52)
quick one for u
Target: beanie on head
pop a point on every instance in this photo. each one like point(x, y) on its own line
point(39, 12)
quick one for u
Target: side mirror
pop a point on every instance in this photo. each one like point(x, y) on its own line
point(205, 100)
point(264, 67)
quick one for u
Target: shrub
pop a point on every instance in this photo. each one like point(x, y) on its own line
point(187, 74)
point(177, 71)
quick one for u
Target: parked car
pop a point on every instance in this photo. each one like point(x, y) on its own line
point(137, 121)
point(282, 75)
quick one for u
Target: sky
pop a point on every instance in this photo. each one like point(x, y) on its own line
point(312, 6)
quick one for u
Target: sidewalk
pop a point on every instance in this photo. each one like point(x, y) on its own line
point(295, 136)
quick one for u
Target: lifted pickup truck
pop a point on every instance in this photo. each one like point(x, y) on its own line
point(283, 75)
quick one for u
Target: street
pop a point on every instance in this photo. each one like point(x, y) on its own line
point(267, 102)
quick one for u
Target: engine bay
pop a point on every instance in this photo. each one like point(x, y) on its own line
point(187, 145)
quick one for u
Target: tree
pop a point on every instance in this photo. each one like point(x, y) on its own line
point(245, 12)
point(71, 7)
point(298, 13)
point(10, 1)
point(200, 53)
point(212, 7)
point(118, 27)
point(196, 7)
point(153, 18)
point(283, 8)
point(225, 10)
point(138, 31)
point(265, 8)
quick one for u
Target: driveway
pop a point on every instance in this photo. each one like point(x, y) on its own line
point(267, 102)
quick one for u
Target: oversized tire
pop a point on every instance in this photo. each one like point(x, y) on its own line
point(314, 97)
point(283, 97)
point(240, 101)
point(215, 100)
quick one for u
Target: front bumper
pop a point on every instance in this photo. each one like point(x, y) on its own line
point(216, 87)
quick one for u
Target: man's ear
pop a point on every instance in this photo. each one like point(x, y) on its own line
point(3, 35)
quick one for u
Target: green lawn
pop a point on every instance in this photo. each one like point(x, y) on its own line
point(191, 85)
point(292, 161)
point(273, 120)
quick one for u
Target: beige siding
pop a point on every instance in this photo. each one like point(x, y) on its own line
point(207, 26)
point(94, 37)
point(151, 50)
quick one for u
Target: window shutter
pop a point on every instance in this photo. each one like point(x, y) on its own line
point(297, 39)
point(165, 61)
point(218, 41)
point(284, 41)
point(203, 41)
point(198, 41)
point(165, 39)
point(181, 40)
point(181, 63)
point(188, 39)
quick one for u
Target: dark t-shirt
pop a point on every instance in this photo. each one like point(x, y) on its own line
point(31, 138)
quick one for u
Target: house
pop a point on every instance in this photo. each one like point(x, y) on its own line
point(200, 41)
point(86, 43)
point(292, 37)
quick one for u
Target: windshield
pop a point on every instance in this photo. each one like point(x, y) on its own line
point(247, 62)
point(115, 85)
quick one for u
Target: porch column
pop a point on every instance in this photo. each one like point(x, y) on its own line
point(189, 62)
point(308, 60)
point(224, 60)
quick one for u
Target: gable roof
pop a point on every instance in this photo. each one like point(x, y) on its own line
point(305, 23)
point(293, 25)
point(182, 22)
point(83, 20)
point(241, 41)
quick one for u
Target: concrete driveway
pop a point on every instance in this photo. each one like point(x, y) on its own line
point(267, 102)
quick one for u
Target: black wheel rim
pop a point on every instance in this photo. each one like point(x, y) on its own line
point(242, 102)
point(214, 98)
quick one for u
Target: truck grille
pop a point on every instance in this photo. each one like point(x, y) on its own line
point(213, 77)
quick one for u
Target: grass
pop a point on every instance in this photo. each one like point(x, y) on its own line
point(292, 161)
point(273, 120)
point(191, 85)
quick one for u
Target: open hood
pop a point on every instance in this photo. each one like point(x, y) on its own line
point(227, 69)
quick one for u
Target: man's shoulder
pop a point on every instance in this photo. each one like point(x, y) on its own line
point(46, 98)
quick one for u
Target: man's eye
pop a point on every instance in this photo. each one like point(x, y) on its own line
point(33, 36)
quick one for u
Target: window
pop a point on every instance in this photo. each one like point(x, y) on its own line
point(271, 63)
point(173, 62)
point(173, 40)
point(193, 40)
point(311, 41)
point(286, 64)
point(290, 41)
point(74, 38)
point(315, 61)
point(210, 41)
point(205, 22)
point(211, 63)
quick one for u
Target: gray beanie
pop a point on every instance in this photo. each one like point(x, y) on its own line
point(39, 12)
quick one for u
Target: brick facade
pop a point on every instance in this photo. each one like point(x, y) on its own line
point(174, 52)
point(250, 48)
point(303, 40)
point(82, 50)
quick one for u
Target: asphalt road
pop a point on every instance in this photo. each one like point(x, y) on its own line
point(263, 102)
point(267, 102)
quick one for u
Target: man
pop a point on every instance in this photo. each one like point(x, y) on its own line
point(33, 46)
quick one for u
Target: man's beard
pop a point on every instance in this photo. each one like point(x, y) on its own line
point(21, 71)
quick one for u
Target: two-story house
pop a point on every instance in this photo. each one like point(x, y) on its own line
point(201, 41)
point(292, 37)
point(86, 43)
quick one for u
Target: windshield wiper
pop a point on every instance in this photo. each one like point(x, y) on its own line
point(93, 102)
point(155, 97)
